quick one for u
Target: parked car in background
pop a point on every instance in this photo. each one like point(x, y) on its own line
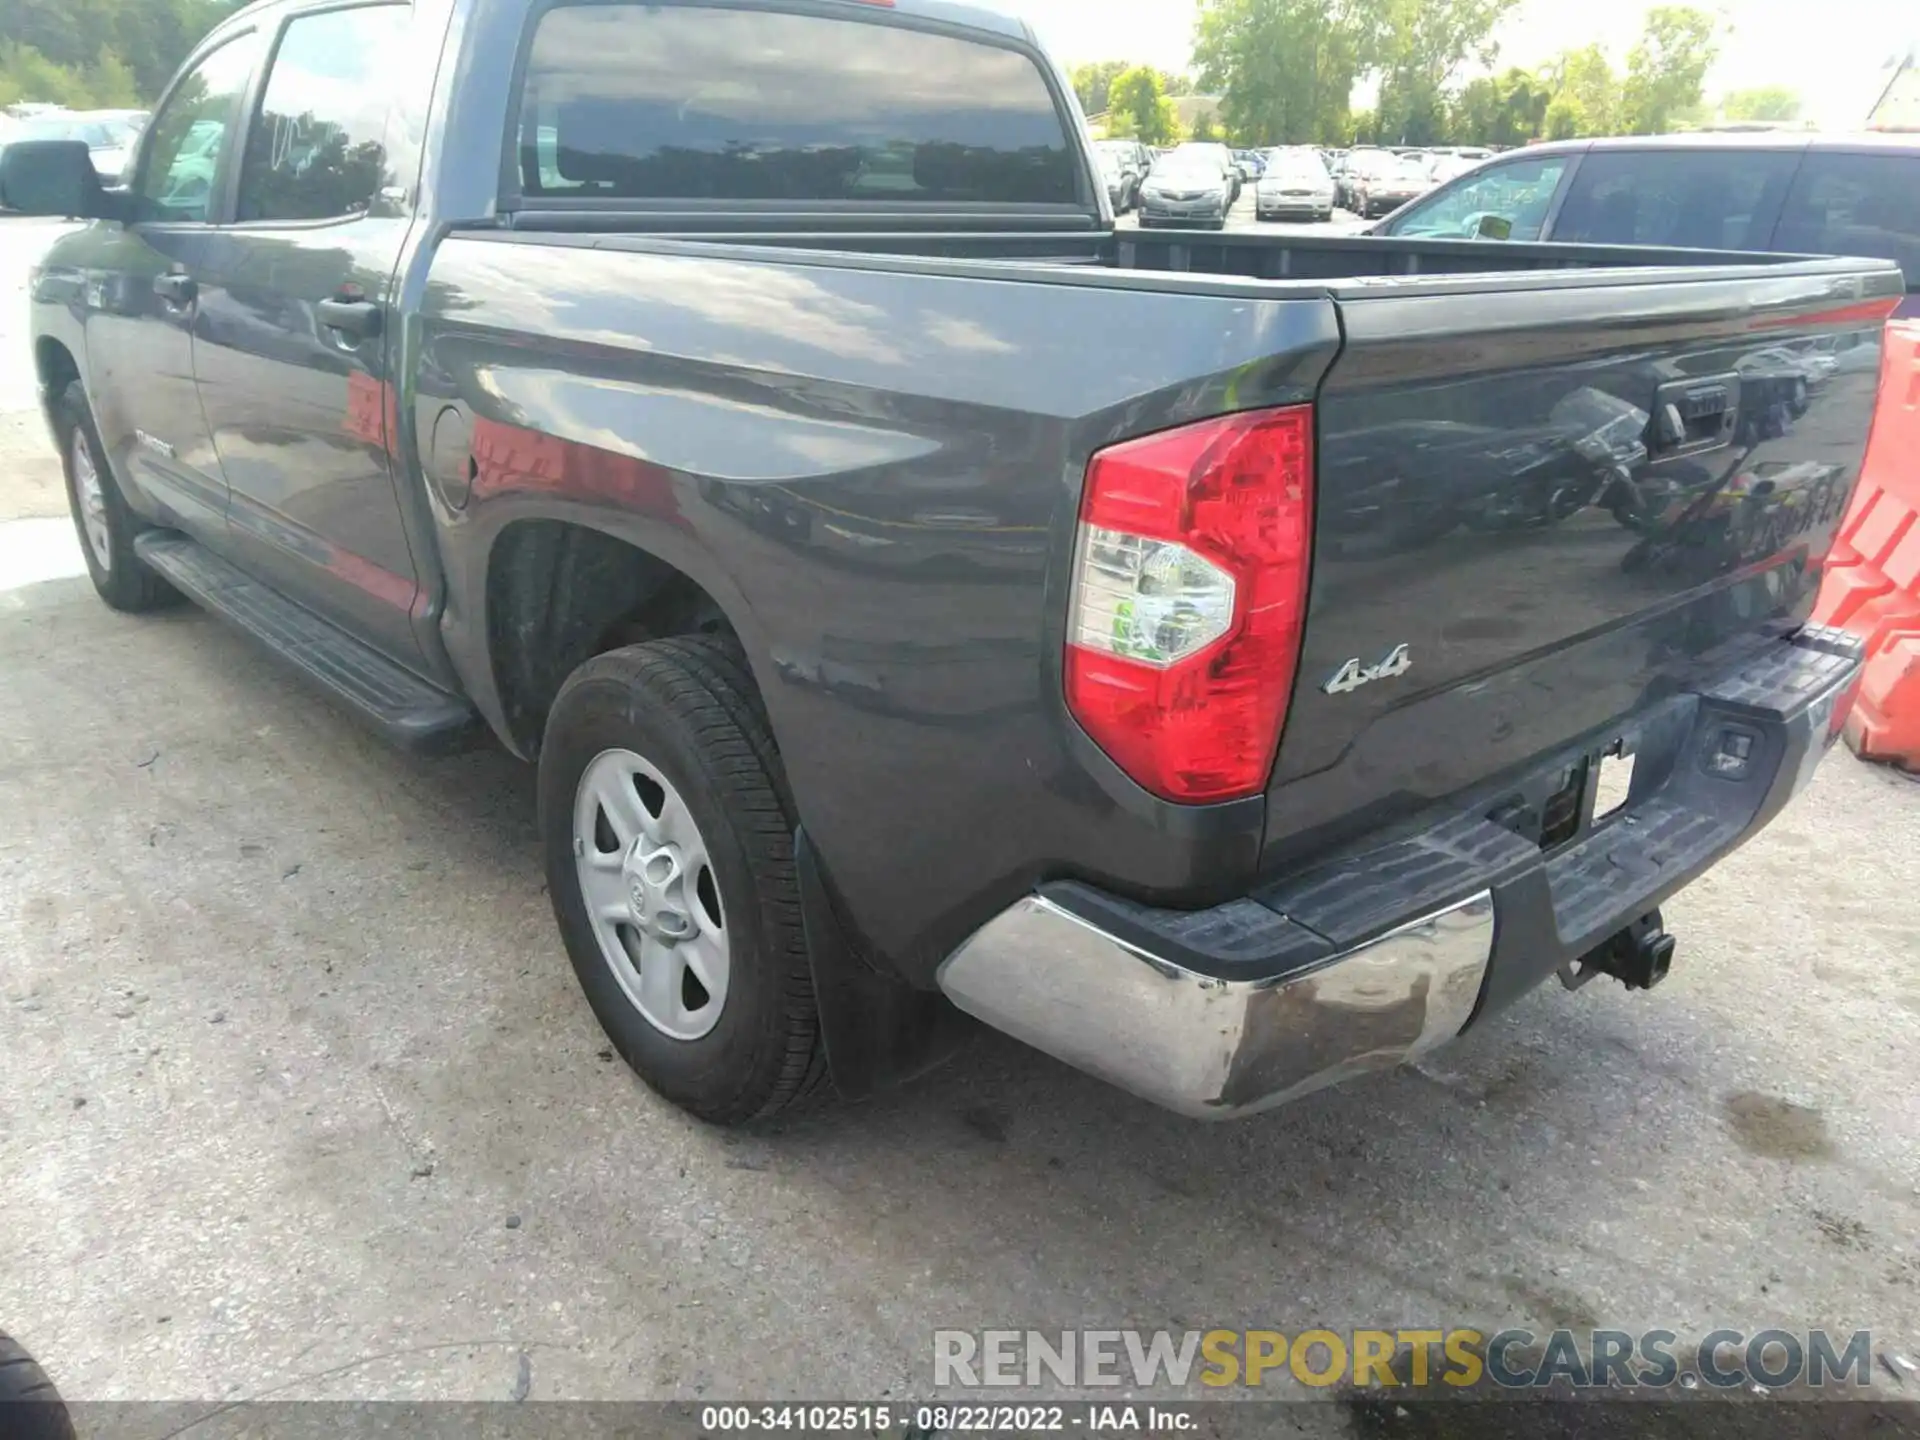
point(1444, 167)
point(1336, 163)
point(1220, 156)
point(1188, 186)
point(1359, 158)
point(108, 137)
point(1294, 183)
point(1781, 191)
point(135, 120)
point(188, 183)
point(1123, 166)
point(1384, 182)
point(1250, 163)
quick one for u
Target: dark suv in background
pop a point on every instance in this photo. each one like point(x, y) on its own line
point(1793, 193)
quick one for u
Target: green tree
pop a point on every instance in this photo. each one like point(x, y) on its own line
point(26, 74)
point(1764, 102)
point(1206, 127)
point(1283, 68)
point(1419, 46)
point(1093, 83)
point(107, 53)
point(1586, 94)
point(1411, 110)
point(1562, 120)
point(1138, 107)
point(110, 83)
point(1667, 67)
point(1505, 109)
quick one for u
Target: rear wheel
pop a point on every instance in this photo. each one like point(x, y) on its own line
point(30, 1407)
point(100, 515)
point(669, 849)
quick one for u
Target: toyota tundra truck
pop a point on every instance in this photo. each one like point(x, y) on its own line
point(1229, 664)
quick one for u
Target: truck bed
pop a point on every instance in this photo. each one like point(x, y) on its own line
point(885, 440)
point(1258, 255)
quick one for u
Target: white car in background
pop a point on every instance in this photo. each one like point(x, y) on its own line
point(1452, 167)
point(109, 137)
point(1296, 182)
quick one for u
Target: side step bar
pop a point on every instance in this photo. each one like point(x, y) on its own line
point(404, 708)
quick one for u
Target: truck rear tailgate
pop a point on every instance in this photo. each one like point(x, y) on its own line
point(1544, 502)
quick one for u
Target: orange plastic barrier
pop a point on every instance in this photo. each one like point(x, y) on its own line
point(1873, 575)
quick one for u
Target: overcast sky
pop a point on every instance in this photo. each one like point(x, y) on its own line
point(1829, 50)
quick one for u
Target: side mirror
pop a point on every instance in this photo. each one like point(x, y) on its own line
point(53, 177)
point(1487, 226)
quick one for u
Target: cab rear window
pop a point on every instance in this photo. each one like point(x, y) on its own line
point(688, 103)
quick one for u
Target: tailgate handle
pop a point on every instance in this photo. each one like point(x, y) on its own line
point(1694, 415)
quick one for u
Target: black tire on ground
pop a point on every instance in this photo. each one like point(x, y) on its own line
point(123, 581)
point(30, 1407)
point(689, 708)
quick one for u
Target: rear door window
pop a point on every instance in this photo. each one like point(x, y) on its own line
point(1708, 199)
point(1856, 205)
point(317, 148)
point(688, 103)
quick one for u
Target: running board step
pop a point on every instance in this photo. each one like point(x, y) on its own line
point(406, 709)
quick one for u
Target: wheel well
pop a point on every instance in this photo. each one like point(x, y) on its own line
point(558, 594)
point(55, 365)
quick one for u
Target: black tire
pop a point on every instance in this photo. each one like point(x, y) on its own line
point(30, 1408)
point(123, 580)
point(689, 708)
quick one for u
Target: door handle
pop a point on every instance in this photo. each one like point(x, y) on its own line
point(358, 318)
point(176, 288)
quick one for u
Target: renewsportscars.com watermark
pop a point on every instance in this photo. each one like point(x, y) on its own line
point(1459, 1359)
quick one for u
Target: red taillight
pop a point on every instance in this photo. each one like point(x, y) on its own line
point(1189, 599)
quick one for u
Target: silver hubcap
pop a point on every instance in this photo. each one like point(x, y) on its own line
point(651, 894)
point(93, 501)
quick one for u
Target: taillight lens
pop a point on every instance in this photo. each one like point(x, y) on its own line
point(1189, 599)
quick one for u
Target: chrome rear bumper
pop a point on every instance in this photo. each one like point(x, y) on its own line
point(1373, 957)
point(1215, 1048)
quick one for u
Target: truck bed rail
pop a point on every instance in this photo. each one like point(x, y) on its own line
point(1266, 256)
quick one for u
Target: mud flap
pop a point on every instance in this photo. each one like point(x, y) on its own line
point(879, 1031)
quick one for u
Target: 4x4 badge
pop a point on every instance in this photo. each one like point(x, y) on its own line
point(1352, 675)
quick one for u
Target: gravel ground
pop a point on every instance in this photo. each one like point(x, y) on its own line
point(302, 1099)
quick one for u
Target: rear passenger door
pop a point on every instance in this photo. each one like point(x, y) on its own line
point(1707, 198)
point(291, 344)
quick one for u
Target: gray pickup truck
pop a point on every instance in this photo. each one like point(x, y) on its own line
point(1227, 663)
